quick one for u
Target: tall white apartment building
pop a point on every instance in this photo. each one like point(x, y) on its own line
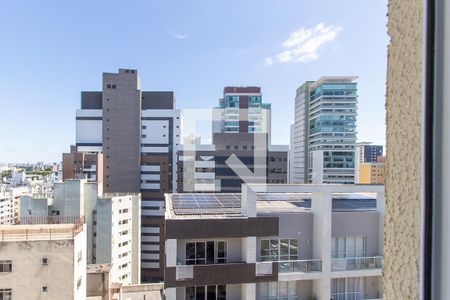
point(273, 241)
point(116, 236)
point(324, 132)
point(6, 208)
point(43, 261)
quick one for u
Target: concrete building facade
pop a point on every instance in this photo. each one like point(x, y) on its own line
point(366, 153)
point(276, 242)
point(401, 274)
point(83, 165)
point(43, 261)
point(137, 133)
point(113, 224)
point(371, 173)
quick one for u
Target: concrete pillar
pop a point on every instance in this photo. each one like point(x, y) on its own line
point(321, 205)
point(248, 249)
point(248, 291)
point(380, 210)
point(171, 253)
point(317, 167)
point(249, 199)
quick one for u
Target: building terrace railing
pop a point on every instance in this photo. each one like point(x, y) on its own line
point(303, 266)
point(28, 229)
point(356, 263)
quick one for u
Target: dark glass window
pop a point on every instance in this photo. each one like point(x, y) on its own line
point(211, 292)
point(221, 252)
point(190, 253)
point(190, 293)
point(210, 253)
point(200, 293)
point(221, 292)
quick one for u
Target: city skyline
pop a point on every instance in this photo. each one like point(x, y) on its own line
point(168, 48)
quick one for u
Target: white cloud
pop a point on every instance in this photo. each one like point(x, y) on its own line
point(180, 36)
point(303, 45)
point(268, 61)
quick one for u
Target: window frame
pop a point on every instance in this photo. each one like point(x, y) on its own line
point(277, 251)
point(274, 286)
point(4, 263)
point(216, 258)
point(435, 210)
point(205, 289)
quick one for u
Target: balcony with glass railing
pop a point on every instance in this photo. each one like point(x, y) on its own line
point(302, 266)
point(356, 263)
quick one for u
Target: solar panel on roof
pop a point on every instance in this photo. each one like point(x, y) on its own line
point(206, 204)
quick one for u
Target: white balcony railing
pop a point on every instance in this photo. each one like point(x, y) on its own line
point(356, 263)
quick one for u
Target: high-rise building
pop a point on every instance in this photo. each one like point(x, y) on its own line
point(241, 110)
point(324, 132)
point(240, 151)
point(136, 131)
point(366, 153)
point(83, 165)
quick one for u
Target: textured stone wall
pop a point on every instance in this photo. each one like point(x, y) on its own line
point(403, 105)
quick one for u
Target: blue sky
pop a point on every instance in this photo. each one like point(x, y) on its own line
point(52, 50)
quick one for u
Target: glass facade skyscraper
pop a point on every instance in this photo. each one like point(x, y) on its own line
point(324, 132)
point(241, 110)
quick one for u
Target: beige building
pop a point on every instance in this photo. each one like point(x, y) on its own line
point(113, 224)
point(401, 270)
point(45, 261)
point(371, 173)
point(100, 286)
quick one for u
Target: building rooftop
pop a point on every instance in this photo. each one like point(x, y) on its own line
point(333, 79)
point(226, 205)
point(39, 232)
point(98, 268)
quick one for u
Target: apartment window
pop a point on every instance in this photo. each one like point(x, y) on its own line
point(236, 147)
point(281, 249)
point(144, 136)
point(348, 246)
point(221, 257)
point(210, 252)
point(108, 86)
point(44, 289)
point(144, 127)
point(45, 261)
point(5, 294)
point(5, 266)
point(278, 290)
point(213, 292)
point(347, 288)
